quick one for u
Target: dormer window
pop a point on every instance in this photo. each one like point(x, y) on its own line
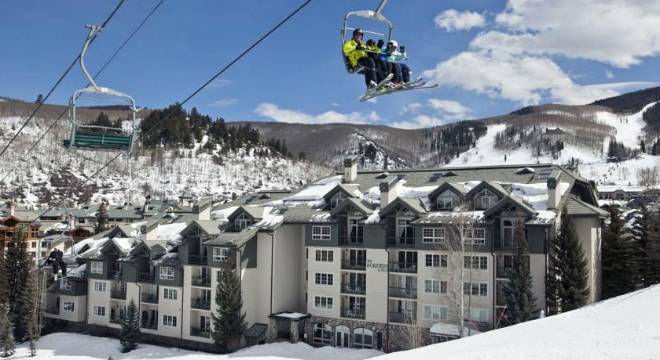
point(241, 222)
point(446, 201)
point(485, 199)
point(337, 199)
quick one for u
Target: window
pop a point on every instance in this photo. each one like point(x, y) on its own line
point(98, 310)
point(65, 284)
point(433, 235)
point(475, 289)
point(475, 262)
point(486, 199)
point(435, 312)
point(433, 286)
point(322, 334)
point(446, 201)
point(324, 255)
point(96, 267)
point(404, 232)
point(169, 320)
point(169, 294)
point(220, 254)
point(355, 231)
point(69, 306)
point(100, 286)
point(474, 236)
point(323, 302)
point(508, 231)
point(479, 315)
point(320, 232)
point(323, 279)
point(363, 338)
point(166, 273)
point(242, 221)
point(337, 199)
point(436, 260)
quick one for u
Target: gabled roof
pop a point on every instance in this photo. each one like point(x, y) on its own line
point(209, 227)
point(458, 189)
point(493, 186)
point(232, 238)
point(413, 205)
point(347, 189)
point(516, 201)
point(351, 205)
point(579, 208)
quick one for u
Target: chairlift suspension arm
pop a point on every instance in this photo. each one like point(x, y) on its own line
point(93, 29)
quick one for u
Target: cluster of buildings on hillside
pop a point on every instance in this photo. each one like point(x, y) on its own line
point(380, 260)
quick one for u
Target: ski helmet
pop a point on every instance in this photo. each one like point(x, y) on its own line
point(393, 43)
point(357, 31)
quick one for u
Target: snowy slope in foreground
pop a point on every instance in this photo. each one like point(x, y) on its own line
point(626, 327)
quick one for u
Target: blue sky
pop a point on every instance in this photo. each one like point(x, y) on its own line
point(488, 57)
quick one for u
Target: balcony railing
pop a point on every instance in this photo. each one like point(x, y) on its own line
point(402, 267)
point(204, 281)
point(401, 241)
point(500, 272)
point(403, 317)
point(503, 244)
point(200, 304)
point(114, 274)
point(358, 288)
point(146, 277)
point(118, 294)
point(198, 260)
point(403, 292)
point(354, 264)
point(149, 324)
point(200, 332)
point(150, 298)
point(351, 240)
point(353, 313)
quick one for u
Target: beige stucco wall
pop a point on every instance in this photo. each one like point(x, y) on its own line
point(376, 287)
point(98, 298)
point(537, 265)
point(588, 231)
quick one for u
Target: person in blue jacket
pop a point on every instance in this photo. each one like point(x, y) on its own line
point(391, 54)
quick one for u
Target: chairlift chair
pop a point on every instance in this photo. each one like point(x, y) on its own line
point(96, 137)
point(377, 21)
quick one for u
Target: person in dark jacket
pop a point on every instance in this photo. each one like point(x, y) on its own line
point(356, 52)
point(55, 259)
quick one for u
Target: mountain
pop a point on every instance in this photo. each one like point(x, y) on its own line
point(37, 168)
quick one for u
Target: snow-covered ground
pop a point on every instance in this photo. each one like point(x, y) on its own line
point(625, 327)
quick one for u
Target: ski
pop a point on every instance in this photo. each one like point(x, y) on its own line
point(370, 93)
point(416, 84)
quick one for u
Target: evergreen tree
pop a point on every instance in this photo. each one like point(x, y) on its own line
point(566, 279)
point(130, 328)
point(7, 345)
point(647, 252)
point(617, 263)
point(518, 290)
point(4, 290)
point(101, 218)
point(229, 324)
point(17, 267)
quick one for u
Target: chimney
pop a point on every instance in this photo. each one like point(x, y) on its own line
point(388, 191)
point(10, 207)
point(554, 193)
point(72, 221)
point(350, 169)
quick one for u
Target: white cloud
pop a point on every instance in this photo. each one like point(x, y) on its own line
point(421, 121)
point(218, 83)
point(224, 102)
point(609, 74)
point(293, 116)
point(451, 107)
point(412, 107)
point(619, 33)
point(452, 20)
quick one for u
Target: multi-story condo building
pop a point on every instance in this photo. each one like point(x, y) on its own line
point(362, 260)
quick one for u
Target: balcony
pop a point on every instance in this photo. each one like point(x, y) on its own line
point(354, 264)
point(358, 288)
point(403, 292)
point(146, 277)
point(150, 298)
point(504, 244)
point(399, 267)
point(149, 324)
point(401, 241)
point(402, 317)
point(200, 332)
point(118, 294)
point(357, 313)
point(200, 303)
point(114, 274)
point(204, 281)
point(351, 240)
point(198, 260)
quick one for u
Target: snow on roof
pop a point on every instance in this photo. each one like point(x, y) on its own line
point(224, 213)
point(293, 315)
point(450, 329)
point(315, 191)
point(270, 218)
point(170, 232)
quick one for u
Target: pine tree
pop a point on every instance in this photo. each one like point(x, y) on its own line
point(229, 324)
point(518, 290)
point(617, 263)
point(566, 279)
point(130, 328)
point(33, 327)
point(647, 252)
point(19, 299)
point(7, 345)
point(101, 218)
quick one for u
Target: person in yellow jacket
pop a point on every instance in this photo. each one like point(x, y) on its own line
point(354, 49)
